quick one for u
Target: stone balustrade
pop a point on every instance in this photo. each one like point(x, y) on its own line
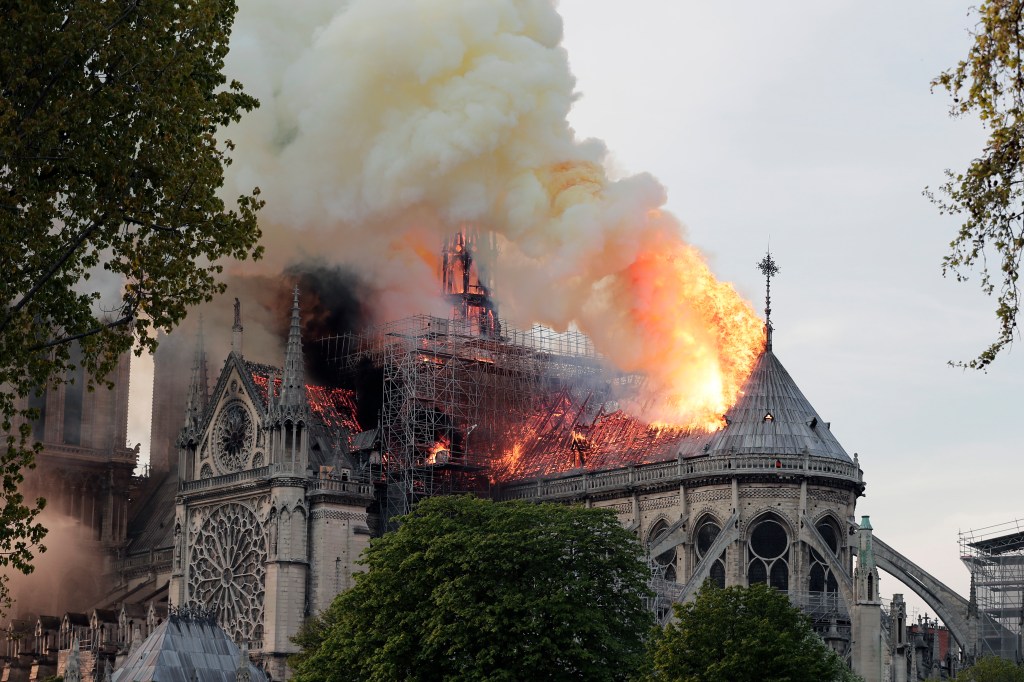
point(270, 471)
point(679, 472)
point(227, 479)
point(340, 486)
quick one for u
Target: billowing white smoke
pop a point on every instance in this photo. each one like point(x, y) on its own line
point(387, 124)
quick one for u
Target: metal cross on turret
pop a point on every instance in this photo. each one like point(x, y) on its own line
point(769, 269)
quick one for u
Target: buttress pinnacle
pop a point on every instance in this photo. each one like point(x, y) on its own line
point(293, 384)
point(198, 387)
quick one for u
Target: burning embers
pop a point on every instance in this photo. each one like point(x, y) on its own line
point(440, 452)
point(334, 408)
point(564, 439)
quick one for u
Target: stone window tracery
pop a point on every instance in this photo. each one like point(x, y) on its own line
point(667, 559)
point(227, 568)
point(768, 549)
point(233, 437)
point(707, 533)
point(821, 577)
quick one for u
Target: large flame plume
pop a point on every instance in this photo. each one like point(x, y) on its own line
point(386, 124)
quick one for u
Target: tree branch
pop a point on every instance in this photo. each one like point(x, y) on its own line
point(75, 337)
point(56, 265)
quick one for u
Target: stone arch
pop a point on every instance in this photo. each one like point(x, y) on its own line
point(760, 514)
point(703, 534)
point(822, 577)
point(649, 535)
point(666, 560)
point(272, 533)
point(829, 515)
point(284, 537)
point(768, 557)
point(297, 533)
point(947, 604)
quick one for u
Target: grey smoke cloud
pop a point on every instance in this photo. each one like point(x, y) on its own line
point(385, 125)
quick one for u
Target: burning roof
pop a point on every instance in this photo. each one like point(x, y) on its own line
point(566, 438)
point(334, 408)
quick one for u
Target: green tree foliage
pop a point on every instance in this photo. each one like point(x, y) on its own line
point(989, 194)
point(110, 220)
point(743, 634)
point(467, 589)
point(992, 669)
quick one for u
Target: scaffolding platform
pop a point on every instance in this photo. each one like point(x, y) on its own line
point(995, 557)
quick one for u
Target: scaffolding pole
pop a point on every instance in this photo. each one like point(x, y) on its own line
point(995, 557)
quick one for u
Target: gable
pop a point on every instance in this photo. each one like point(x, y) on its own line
point(233, 426)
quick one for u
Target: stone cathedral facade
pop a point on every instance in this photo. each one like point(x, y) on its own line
point(267, 521)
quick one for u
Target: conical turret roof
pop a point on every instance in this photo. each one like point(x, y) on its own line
point(772, 417)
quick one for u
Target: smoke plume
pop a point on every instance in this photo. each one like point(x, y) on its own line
point(334, 302)
point(386, 125)
point(68, 576)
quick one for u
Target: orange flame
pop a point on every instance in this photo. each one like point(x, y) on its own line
point(665, 315)
point(700, 339)
point(439, 452)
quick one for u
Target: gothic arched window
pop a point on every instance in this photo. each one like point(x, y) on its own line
point(666, 559)
point(769, 554)
point(821, 578)
point(707, 533)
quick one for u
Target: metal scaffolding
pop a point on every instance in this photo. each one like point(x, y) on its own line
point(995, 557)
point(457, 400)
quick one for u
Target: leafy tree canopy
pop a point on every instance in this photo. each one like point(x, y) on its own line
point(743, 634)
point(467, 589)
point(988, 195)
point(109, 170)
point(992, 669)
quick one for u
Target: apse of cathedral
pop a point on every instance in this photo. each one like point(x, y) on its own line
point(267, 487)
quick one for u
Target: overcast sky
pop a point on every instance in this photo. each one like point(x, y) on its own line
point(811, 124)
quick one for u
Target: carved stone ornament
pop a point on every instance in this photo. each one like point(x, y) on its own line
point(233, 437)
point(227, 568)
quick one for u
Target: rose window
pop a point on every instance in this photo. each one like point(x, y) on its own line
point(227, 567)
point(233, 437)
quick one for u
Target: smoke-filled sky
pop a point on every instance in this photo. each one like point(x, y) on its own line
point(806, 124)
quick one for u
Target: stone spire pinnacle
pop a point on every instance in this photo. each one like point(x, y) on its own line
point(236, 330)
point(242, 672)
point(73, 667)
point(199, 386)
point(769, 269)
point(293, 382)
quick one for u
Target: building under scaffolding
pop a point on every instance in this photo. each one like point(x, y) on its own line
point(995, 558)
point(465, 407)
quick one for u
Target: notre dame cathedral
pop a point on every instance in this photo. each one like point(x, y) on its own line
point(265, 489)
